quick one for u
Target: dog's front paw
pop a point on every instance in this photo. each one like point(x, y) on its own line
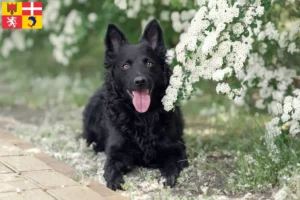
point(171, 180)
point(116, 184)
point(171, 175)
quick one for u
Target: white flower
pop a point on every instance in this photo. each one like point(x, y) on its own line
point(175, 82)
point(273, 128)
point(285, 117)
point(175, 16)
point(223, 88)
point(260, 11)
point(271, 31)
point(209, 42)
point(263, 48)
point(238, 28)
point(281, 194)
point(224, 48)
point(177, 26)
point(275, 108)
point(166, 2)
point(295, 28)
point(292, 48)
point(295, 127)
point(283, 39)
point(278, 96)
point(287, 107)
point(122, 4)
point(296, 103)
point(177, 71)
point(67, 2)
point(260, 104)
point(261, 36)
point(92, 17)
point(18, 39)
point(218, 75)
point(192, 45)
point(296, 114)
point(18, 190)
point(165, 15)
point(170, 55)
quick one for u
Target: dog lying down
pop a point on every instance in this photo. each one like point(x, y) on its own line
point(125, 117)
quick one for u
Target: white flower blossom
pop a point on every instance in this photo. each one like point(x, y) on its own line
point(122, 4)
point(292, 48)
point(238, 28)
point(92, 17)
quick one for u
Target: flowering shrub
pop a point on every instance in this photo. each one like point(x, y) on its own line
point(66, 24)
point(241, 46)
point(247, 47)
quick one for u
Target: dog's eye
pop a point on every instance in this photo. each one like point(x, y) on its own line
point(149, 64)
point(126, 66)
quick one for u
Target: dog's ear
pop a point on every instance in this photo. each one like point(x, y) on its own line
point(114, 39)
point(153, 34)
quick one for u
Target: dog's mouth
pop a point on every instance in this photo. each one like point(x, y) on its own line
point(141, 99)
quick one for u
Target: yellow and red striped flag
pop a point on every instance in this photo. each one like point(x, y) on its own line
point(22, 15)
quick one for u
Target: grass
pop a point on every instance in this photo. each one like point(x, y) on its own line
point(239, 137)
point(224, 143)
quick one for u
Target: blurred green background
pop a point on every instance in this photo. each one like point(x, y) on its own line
point(39, 60)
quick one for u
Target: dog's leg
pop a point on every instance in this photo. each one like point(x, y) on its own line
point(173, 159)
point(117, 163)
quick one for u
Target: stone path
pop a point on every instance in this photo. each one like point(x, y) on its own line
point(26, 173)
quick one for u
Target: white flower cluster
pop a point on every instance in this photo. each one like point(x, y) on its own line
point(285, 39)
point(64, 42)
point(175, 84)
point(66, 37)
point(207, 51)
point(181, 20)
point(122, 4)
point(16, 41)
point(287, 119)
point(272, 84)
point(133, 7)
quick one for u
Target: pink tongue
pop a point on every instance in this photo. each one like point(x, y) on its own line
point(141, 100)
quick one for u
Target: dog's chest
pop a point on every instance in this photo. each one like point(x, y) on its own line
point(146, 138)
point(147, 148)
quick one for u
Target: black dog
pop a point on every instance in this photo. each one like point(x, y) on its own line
point(126, 119)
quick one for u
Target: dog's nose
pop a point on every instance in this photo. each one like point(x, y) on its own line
point(140, 80)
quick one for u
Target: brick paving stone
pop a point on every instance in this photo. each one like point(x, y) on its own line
point(101, 189)
point(50, 179)
point(17, 185)
point(57, 165)
point(26, 195)
point(10, 178)
point(4, 169)
point(116, 197)
point(24, 163)
point(43, 172)
point(75, 193)
point(23, 145)
point(4, 142)
point(7, 137)
point(10, 150)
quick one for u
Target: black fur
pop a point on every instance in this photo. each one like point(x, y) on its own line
point(111, 122)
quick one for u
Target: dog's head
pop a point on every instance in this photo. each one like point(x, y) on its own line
point(138, 72)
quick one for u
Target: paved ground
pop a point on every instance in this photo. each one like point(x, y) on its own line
point(26, 173)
